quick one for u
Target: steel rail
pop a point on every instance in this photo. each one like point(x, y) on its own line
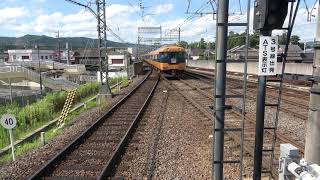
point(252, 97)
point(48, 168)
point(248, 117)
point(116, 155)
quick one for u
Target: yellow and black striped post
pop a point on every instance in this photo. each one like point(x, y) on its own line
point(66, 107)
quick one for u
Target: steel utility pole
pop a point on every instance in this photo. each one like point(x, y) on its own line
point(59, 54)
point(105, 90)
point(312, 147)
point(220, 87)
point(68, 53)
point(100, 15)
point(39, 65)
point(179, 35)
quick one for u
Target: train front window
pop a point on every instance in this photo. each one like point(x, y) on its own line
point(179, 56)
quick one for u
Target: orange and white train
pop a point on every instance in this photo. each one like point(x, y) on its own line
point(169, 59)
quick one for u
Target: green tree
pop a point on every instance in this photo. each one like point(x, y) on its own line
point(295, 39)
point(202, 44)
point(254, 40)
point(236, 39)
point(184, 44)
point(282, 39)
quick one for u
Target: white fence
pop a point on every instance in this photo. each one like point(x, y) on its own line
point(53, 83)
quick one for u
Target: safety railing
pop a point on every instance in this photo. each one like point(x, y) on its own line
point(53, 83)
point(50, 64)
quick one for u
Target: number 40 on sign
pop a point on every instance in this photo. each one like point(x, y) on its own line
point(8, 121)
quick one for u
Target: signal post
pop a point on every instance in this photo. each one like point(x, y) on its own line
point(268, 15)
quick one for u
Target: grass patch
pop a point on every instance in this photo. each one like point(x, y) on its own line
point(33, 116)
point(45, 107)
point(50, 134)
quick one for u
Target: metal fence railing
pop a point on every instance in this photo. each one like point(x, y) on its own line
point(52, 83)
point(50, 65)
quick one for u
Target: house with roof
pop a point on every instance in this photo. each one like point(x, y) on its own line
point(239, 53)
point(118, 58)
point(195, 53)
point(307, 57)
point(294, 53)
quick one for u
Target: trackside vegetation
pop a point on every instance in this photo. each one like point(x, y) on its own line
point(35, 115)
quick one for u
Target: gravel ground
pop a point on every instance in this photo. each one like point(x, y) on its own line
point(174, 141)
point(135, 161)
point(293, 130)
point(32, 160)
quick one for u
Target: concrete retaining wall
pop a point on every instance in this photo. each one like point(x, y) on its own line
point(291, 68)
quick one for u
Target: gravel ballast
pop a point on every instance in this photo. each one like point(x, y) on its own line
point(174, 141)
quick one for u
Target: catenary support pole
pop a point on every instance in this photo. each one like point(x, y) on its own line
point(220, 87)
point(105, 91)
point(39, 60)
point(312, 147)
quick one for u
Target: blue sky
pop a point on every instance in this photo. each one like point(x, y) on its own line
point(45, 17)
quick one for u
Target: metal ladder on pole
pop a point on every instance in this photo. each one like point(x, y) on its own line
point(268, 153)
point(241, 97)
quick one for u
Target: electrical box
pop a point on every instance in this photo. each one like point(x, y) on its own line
point(288, 154)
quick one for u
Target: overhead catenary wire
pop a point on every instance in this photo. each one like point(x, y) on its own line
point(310, 11)
point(94, 13)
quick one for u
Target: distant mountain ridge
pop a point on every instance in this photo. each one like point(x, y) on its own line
point(47, 42)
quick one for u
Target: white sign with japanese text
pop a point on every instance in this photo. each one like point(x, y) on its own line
point(268, 49)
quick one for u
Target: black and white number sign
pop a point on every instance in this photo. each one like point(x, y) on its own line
point(8, 121)
point(268, 49)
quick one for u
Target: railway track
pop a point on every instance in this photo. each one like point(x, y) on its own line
point(250, 117)
point(94, 154)
point(289, 99)
point(202, 100)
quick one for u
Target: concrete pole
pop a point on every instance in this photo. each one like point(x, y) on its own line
point(11, 98)
point(59, 54)
point(312, 147)
point(43, 138)
point(179, 35)
point(39, 65)
point(68, 53)
point(220, 87)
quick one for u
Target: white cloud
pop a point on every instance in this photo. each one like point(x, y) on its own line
point(115, 10)
point(82, 23)
point(162, 9)
point(11, 14)
point(123, 20)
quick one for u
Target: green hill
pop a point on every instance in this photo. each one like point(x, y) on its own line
point(47, 42)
